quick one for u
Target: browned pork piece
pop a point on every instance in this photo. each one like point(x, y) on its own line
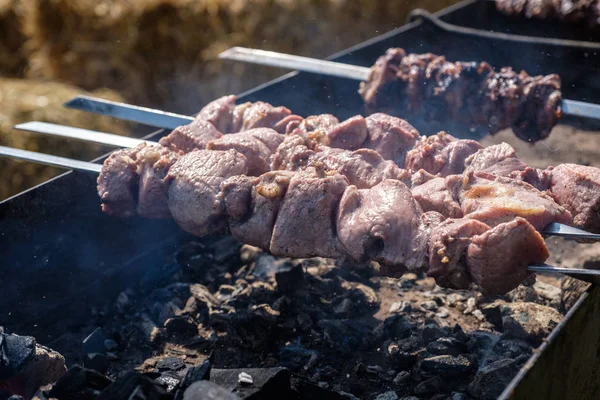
point(581, 12)
point(468, 92)
point(577, 188)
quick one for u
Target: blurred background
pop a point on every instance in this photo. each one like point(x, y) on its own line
point(158, 53)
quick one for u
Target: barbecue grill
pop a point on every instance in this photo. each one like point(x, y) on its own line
point(62, 255)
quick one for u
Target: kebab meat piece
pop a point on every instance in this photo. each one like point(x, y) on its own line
point(470, 92)
point(582, 12)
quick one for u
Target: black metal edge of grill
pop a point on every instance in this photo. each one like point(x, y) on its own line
point(61, 254)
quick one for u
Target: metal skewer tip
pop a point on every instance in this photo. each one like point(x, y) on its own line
point(48, 159)
point(142, 115)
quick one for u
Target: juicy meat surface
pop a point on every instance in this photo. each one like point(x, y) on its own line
point(253, 205)
point(434, 195)
point(118, 183)
point(219, 112)
point(448, 249)
point(349, 134)
point(363, 168)
point(194, 184)
point(390, 136)
point(256, 145)
point(257, 115)
point(577, 188)
point(472, 93)
point(195, 135)
point(494, 200)
point(497, 260)
point(440, 154)
point(154, 163)
point(384, 224)
point(305, 225)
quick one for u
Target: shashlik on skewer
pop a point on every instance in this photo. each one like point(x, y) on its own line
point(441, 155)
point(471, 92)
point(585, 13)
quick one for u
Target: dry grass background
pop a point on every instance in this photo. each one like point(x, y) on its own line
point(157, 52)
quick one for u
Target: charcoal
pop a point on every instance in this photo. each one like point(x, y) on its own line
point(170, 364)
point(180, 325)
point(110, 345)
point(403, 354)
point(429, 386)
point(397, 327)
point(307, 390)
point(15, 352)
point(389, 395)
point(432, 332)
point(446, 366)
point(481, 343)
point(96, 361)
point(345, 335)
point(206, 390)
point(289, 277)
point(79, 383)
point(133, 385)
point(447, 346)
point(530, 321)
point(267, 382)
point(490, 381)
point(94, 343)
point(196, 373)
point(507, 348)
point(429, 305)
point(295, 356)
point(401, 378)
point(493, 313)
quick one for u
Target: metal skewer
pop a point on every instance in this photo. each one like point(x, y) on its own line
point(592, 276)
point(553, 229)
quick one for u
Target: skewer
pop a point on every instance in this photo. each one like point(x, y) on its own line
point(554, 229)
point(592, 276)
point(306, 64)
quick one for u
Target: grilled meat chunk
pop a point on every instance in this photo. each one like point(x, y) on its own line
point(383, 223)
point(390, 136)
point(256, 145)
point(257, 115)
point(434, 195)
point(305, 225)
point(497, 260)
point(154, 163)
point(494, 200)
point(349, 134)
point(118, 183)
point(448, 249)
point(581, 12)
point(195, 135)
point(253, 205)
point(577, 188)
point(194, 184)
point(440, 154)
point(219, 113)
point(468, 92)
